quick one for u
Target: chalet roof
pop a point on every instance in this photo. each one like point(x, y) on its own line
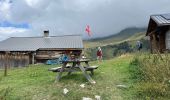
point(35, 43)
point(158, 21)
point(161, 20)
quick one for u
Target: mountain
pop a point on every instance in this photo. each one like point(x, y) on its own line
point(118, 44)
point(127, 34)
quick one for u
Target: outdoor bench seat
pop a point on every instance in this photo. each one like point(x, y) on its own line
point(91, 69)
point(57, 69)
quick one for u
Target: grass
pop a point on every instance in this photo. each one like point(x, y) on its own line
point(37, 83)
point(113, 41)
point(151, 76)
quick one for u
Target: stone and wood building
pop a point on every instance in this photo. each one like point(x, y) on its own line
point(22, 51)
point(159, 33)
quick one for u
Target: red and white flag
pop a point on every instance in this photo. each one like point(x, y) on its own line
point(88, 30)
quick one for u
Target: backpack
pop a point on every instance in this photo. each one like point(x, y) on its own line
point(140, 45)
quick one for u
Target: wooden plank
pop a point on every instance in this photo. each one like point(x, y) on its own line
point(6, 64)
point(61, 71)
point(86, 74)
point(92, 67)
point(54, 69)
point(168, 40)
point(74, 64)
point(47, 56)
point(77, 61)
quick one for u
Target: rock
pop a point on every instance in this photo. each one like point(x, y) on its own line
point(93, 82)
point(65, 91)
point(97, 97)
point(122, 86)
point(86, 98)
point(82, 85)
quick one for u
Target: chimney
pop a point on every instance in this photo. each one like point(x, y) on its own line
point(46, 33)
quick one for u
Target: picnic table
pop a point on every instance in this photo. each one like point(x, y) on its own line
point(76, 65)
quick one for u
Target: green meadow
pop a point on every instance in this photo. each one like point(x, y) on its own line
point(35, 82)
point(140, 76)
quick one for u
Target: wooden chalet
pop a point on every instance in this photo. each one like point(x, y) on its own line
point(159, 33)
point(21, 51)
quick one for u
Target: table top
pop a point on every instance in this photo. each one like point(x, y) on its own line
point(76, 60)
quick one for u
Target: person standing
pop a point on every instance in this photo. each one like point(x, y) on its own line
point(99, 54)
point(139, 45)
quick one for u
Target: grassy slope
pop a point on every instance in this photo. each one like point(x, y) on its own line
point(113, 41)
point(130, 34)
point(36, 83)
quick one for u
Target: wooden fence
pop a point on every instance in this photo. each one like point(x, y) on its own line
point(17, 60)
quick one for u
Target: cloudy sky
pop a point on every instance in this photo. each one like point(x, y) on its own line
point(65, 17)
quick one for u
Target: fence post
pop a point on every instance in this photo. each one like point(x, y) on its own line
point(33, 57)
point(6, 63)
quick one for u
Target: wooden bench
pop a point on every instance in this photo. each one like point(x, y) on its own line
point(58, 69)
point(91, 69)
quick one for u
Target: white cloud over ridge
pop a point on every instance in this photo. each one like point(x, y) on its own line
point(63, 17)
point(6, 32)
point(11, 30)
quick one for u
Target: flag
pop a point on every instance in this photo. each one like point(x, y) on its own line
point(88, 30)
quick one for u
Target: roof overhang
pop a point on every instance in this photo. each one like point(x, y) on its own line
point(155, 22)
point(60, 49)
point(71, 42)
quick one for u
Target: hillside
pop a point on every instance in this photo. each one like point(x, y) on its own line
point(129, 34)
point(128, 77)
point(37, 83)
point(115, 45)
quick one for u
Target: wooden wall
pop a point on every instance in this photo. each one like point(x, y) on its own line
point(14, 60)
point(162, 45)
point(158, 40)
point(154, 43)
point(43, 55)
point(20, 59)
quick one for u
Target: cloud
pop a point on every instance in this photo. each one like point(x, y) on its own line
point(6, 32)
point(11, 30)
point(16, 25)
point(62, 17)
point(37, 4)
point(4, 9)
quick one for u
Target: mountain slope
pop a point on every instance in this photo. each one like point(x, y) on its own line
point(128, 34)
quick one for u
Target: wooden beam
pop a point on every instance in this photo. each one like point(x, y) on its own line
point(33, 57)
point(151, 32)
point(6, 63)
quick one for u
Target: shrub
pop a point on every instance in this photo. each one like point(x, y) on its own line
point(135, 69)
point(152, 72)
point(149, 89)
